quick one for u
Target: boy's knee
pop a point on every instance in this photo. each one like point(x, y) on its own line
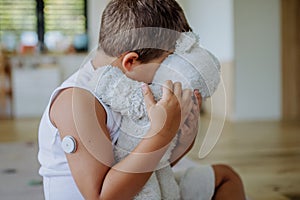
point(225, 173)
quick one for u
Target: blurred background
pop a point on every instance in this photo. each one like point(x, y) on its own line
point(42, 42)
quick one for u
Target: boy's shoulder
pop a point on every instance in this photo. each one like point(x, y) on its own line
point(73, 104)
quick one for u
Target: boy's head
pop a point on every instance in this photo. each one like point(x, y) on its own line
point(148, 28)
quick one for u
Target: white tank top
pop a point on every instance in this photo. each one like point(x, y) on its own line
point(51, 156)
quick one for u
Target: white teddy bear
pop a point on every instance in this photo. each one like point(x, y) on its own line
point(191, 65)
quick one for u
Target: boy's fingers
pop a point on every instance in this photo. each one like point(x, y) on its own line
point(185, 129)
point(186, 101)
point(148, 96)
point(199, 98)
point(178, 90)
point(190, 106)
point(187, 97)
point(191, 117)
point(167, 89)
point(195, 111)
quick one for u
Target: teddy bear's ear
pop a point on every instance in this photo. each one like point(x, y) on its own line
point(186, 42)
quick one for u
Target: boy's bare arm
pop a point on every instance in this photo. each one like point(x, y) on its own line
point(94, 172)
point(86, 170)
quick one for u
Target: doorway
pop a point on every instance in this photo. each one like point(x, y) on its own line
point(290, 59)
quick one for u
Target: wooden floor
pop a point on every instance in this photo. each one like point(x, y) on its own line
point(19, 130)
point(265, 154)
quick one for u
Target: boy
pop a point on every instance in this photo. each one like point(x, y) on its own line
point(89, 172)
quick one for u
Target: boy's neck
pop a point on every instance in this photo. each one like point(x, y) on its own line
point(101, 59)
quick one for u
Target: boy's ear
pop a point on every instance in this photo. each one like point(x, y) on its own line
point(129, 61)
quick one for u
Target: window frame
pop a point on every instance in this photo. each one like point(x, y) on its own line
point(41, 22)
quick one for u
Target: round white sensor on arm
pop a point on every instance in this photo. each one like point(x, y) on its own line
point(69, 144)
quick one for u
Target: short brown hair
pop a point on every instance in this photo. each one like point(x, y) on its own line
point(147, 27)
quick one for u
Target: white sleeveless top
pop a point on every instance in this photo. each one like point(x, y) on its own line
point(54, 166)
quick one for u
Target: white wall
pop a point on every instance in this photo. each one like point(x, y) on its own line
point(257, 59)
point(182, 3)
point(213, 21)
point(95, 9)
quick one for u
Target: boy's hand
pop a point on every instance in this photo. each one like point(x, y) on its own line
point(165, 115)
point(189, 131)
point(190, 127)
point(199, 99)
point(186, 106)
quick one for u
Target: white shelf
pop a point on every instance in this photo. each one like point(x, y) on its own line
point(32, 89)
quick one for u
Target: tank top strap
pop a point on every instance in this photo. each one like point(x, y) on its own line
point(80, 80)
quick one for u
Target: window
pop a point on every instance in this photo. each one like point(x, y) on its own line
point(54, 23)
point(16, 17)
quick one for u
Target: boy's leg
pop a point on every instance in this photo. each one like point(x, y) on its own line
point(228, 184)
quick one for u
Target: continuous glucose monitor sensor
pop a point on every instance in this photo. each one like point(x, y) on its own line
point(69, 144)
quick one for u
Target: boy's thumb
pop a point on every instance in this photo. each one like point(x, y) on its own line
point(148, 96)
